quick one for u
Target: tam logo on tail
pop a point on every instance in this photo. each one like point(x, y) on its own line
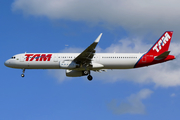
point(158, 53)
point(162, 45)
point(164, 39)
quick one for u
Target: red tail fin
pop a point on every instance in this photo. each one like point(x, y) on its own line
point(162, 45)
point(158, 53)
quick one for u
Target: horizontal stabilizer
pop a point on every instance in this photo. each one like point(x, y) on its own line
point(163, 55)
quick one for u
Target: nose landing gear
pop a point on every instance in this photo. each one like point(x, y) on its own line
point(22, 75)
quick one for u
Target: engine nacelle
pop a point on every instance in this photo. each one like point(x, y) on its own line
point(68, 64)
point(75, 73)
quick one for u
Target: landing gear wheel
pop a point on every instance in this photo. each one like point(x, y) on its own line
point(89, 77)
point(22, 75)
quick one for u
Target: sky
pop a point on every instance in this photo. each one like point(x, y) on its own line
point(54, 26)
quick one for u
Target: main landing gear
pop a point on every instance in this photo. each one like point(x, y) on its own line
point(22, 75)
point(89, 77)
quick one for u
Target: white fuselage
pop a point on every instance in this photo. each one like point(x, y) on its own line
point(62, 61)
point(81, 64)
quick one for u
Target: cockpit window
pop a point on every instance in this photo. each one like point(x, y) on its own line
point(13, 57)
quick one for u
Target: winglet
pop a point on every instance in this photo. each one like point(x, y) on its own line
point(98, 38)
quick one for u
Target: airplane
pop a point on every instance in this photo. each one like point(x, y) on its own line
point(81, 64)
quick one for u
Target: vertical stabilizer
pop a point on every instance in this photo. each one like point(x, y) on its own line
point(158, 53)
point(162, 45)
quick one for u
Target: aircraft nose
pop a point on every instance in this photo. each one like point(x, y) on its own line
point(6, 63)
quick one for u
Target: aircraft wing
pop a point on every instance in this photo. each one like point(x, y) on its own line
point(86, 56)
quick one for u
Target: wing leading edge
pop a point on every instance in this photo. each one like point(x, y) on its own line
point(86, 56)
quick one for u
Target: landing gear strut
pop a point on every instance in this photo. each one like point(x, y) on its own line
point(22, 75)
